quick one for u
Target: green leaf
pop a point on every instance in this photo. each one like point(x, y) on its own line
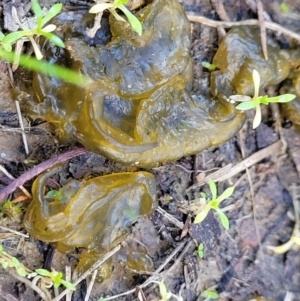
point(211, 294)
point(4, 264)
point(68, 285)
point(163, 291)
point(282, 98)
point(223, 218)
point(118, 3)
point(133, 20)
point(51, 13)
point(203, 195)
point(1, 36)
point(226, 194)
point(12, 37)
point(213, 189)
point(247, 105)
point(21, 271)
point(15, 262)
point(200, 217)
point(44, 272)
point(98, 8)
point(257, 117)
point(37, 10)
point(1, 248)
point(200, 251)
point(53, 39)
point(53, 194)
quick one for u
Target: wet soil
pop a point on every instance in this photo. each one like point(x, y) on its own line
point(237, 263)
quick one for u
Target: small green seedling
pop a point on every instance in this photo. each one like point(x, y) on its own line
point(200, 250)
point(214, 204)
point(248, 103)
point(54, 194)
point(209, 66)
point(8, 261)
point(56, 278)
point(118, 4)
point(30, 31)
point(10, 210)
point(284, 7)
point(211, 294)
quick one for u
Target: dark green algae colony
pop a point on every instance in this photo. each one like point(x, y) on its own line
point(138, 110)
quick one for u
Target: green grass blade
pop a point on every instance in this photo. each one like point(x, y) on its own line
point(45, 68)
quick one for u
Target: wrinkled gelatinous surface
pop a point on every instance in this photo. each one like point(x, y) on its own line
point(239, 53)
point(137, 110)
point(94, 215)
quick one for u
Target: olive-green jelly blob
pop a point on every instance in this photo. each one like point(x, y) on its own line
point(93, 215)
point(137, 109)
point(239, 53)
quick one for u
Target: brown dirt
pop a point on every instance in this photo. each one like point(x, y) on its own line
point(237, 262)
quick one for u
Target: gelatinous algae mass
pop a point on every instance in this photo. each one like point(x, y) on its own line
point(137, 110)
point(239, 53)
point(94, 215)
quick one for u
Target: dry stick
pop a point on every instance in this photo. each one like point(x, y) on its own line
point(14, 231)
point(232, 170)
point(89, 271)
point(218, 6)
point(31, 173)
point(89, 289)
point(263, 33)
point(22, 127)
point(269, 25)
point(170, 217)
point(12, 178)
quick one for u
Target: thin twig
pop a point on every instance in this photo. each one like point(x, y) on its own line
point(91, 284)
point(31, 173)
point(12, 178)
point(269, 25)
point(170, 218)
point(22, 127)
point(14, 231)
point(219, 7)
point(232, 170)
point(263, 33)
point(68, 278)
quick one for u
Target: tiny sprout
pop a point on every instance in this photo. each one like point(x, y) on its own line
point(211, 294)
point(200, 250)
point(209, 66)
point(56, 278)
point(118, 4)
point(248, 103)
point(214, 204)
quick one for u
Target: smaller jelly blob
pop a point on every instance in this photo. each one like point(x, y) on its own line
point(94, 214)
